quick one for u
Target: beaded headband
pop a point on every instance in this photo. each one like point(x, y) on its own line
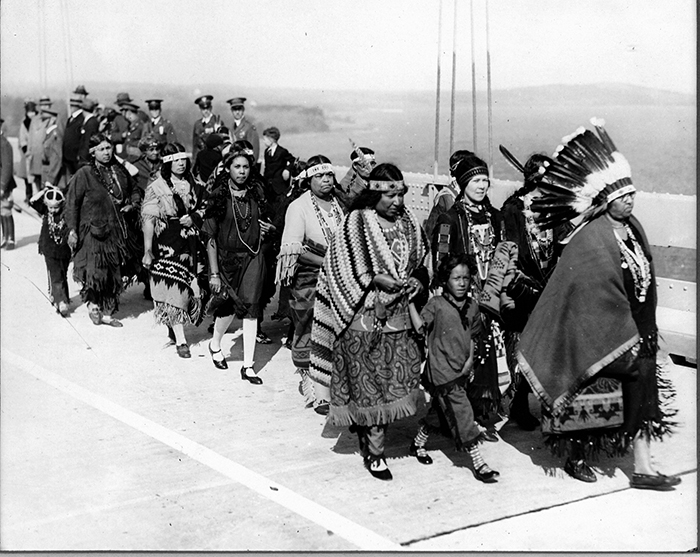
point(91, 150)
point(322, 168)
point(174, 157)
point(624, 190)
point(386, 185)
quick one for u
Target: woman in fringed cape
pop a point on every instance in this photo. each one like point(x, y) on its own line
point(172, 215)
point(362, 344)
point(98, 196)
point(595, 319)
point(310, 223)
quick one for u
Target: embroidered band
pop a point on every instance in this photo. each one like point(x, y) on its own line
point(175, 157)
point(469, 174)
point(238, 151)
point(316, 169)
point(386, 185)
point(621, 192)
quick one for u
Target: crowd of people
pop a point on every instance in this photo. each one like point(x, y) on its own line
point(385, 311)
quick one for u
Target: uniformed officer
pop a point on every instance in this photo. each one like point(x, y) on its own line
point(133, 134)
point(207, 124)
point(242, 128)
point(159, 126)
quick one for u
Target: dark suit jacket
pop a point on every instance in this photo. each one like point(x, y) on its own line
point(274, 165)
point(90, 128)
point(72, 137)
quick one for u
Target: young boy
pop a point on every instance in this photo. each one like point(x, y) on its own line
point(449, 320)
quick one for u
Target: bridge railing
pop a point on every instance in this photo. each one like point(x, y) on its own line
point(670, 223)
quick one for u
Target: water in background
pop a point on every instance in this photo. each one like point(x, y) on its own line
point(659, 141)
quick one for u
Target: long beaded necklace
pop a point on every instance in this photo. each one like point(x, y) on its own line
point(236, 205)
point(247, 219)
point(481, 239)
point(335, 213)
point(635, 260)
point(108, 178)
point(541, 242)
point(397, 239)
point(57, 225)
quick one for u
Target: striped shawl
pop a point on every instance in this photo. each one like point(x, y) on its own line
point(358, 252)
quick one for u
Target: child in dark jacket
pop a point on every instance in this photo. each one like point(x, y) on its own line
point(53, 244)
point(449, 321)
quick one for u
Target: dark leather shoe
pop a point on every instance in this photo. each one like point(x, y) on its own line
point(183, 351)
point(218, 364)
point(489, 436)
point(486, 475)
point(262, 338)
point(322, 409)
point(378, 468)
point(113, 323)
point(580, 470)
point(423, 459)
point(254, 379)
point(657, 482)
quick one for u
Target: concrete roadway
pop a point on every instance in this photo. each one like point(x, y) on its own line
point(109, 441)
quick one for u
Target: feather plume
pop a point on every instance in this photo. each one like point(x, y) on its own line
point(515, 163)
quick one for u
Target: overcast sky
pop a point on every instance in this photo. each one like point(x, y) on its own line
point(349, 44)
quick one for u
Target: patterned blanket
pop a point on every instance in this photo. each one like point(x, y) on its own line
point(358, 252)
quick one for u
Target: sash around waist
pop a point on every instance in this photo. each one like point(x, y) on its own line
point(395, 324)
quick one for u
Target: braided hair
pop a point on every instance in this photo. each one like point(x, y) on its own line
point(166, 172)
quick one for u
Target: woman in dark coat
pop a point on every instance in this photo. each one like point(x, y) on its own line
point(99, 195)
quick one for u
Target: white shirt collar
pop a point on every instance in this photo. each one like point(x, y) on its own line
point(76, 113)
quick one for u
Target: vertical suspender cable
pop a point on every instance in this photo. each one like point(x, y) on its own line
point(454, 76)
point(471, 18)
point(41, 21)
point(488, 89)
point(437, 107)
point(66, 50)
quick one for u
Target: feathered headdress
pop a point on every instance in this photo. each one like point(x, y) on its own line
point(584, 175)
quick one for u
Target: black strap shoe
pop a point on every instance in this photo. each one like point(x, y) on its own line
point(247, 374)
point(421, 455)
point(218, 364)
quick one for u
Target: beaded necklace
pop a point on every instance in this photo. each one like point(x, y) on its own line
point(397, 239)
point(236, 204)
point(107, 176)
point(57, 225)
point(481, 239)
point(247, 219)
point(541, 243)
point(335, 213)
point(637, 263)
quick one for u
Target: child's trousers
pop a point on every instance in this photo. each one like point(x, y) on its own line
point(57, 270)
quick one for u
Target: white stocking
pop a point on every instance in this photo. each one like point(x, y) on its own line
point(250, 329)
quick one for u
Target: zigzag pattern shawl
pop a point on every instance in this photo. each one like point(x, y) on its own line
point(358, 252)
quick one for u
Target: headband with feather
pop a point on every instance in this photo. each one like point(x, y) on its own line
point(584, 175)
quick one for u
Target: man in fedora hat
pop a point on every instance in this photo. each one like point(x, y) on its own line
point(209, 123)
point(72, 138)
point(242, 128)
point(90, 126)
point(51, 175)
point(80, 93)
point(157, 124)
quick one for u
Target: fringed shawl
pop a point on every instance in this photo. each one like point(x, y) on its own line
point(358, 252)
point(583, 320)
